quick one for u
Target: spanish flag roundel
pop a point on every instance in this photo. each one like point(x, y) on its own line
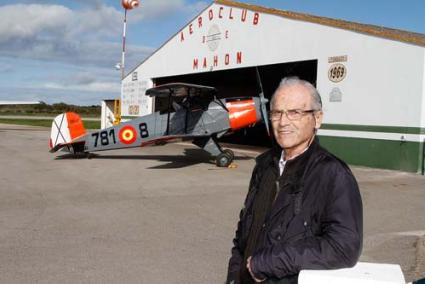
point(127, 134)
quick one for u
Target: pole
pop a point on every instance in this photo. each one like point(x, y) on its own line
point(123, 45)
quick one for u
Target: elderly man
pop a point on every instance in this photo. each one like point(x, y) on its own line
point(303, 209)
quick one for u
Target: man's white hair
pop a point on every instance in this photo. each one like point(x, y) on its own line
point(291, 81)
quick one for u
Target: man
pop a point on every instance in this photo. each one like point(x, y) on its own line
point(303, 209)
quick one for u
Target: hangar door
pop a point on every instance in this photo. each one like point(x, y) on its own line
point(243, 82)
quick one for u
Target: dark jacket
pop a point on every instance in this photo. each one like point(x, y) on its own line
point(314, 221)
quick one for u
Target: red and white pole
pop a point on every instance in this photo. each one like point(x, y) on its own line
point(127, 5)
point(123, 45)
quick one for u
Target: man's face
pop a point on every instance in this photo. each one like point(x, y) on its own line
point(295, 135)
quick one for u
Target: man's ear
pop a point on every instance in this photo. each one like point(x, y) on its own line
point(318, 115)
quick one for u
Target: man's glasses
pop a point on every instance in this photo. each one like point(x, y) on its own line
point(291, 114)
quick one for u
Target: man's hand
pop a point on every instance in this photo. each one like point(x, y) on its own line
point(248, 266)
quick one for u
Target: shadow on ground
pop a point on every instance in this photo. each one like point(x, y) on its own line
point(190, 157)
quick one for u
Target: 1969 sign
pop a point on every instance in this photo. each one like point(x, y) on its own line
point(337, 72)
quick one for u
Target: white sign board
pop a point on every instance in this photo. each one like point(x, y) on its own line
point(133, 99)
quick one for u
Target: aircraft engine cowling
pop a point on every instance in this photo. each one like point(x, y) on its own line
point(242, 113)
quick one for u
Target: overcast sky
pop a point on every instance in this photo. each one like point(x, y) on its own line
point(65, 51)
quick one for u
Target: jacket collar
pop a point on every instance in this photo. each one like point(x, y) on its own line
point(294, 168)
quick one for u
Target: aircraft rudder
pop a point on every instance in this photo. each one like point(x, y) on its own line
point(66, 128)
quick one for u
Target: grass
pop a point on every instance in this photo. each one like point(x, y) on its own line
point(47, 114)
point(45, 122)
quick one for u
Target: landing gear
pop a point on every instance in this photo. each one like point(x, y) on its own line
point(230, 153)
point(223, 159)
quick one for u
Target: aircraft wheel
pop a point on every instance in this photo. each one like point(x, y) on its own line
point(223, 160)
point(230, 153)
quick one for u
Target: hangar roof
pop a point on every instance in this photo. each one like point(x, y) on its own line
point(393, 34)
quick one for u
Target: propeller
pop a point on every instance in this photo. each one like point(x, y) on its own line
point(263, 102)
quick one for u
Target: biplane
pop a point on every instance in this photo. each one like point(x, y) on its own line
point(190, 112)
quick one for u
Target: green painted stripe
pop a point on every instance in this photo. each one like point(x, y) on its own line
point(129, 117)
point(373, 128)
point(385, 154)
point(355, 127)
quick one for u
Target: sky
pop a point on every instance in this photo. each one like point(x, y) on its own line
point(66, 50)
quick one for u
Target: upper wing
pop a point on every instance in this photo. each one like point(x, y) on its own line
point(180, 90)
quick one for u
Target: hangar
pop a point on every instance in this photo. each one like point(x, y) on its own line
point(371, 79)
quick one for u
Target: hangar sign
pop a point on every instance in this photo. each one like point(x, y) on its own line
point(208, 30)
point(337, 72)
point(133, 98)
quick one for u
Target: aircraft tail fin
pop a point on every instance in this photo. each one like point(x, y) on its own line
point(67, 130)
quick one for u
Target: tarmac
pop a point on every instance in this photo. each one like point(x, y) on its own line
point(160, 214)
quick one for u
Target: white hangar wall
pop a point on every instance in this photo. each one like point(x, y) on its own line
point(423, 97)
point(378, 69)
point(383, 84)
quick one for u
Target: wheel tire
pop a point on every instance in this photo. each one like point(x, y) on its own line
point(223, 160)
point(230, 153)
